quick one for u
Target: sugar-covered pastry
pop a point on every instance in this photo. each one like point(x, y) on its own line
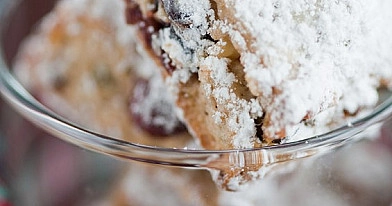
point(248, 73)
point(88, 65)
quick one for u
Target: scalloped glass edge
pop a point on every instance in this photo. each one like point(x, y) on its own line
point(23, 102)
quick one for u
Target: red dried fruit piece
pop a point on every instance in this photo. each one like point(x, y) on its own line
point(152, 112)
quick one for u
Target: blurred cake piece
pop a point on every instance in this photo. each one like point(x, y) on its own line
point(83, 62)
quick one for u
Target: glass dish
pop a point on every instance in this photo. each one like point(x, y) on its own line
point(23, 102)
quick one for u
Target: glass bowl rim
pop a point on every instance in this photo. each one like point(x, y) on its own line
point(23, 102)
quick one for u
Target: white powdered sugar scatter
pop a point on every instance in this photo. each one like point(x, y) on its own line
point(302, 57)
point(184, 45)
point(302, 60)
point(239, 113)
point(307, 65)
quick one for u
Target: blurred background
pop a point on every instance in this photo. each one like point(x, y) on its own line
point(38, 169)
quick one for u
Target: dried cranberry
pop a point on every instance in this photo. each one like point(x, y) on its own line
point(133, 13)
point(148, 26)
point(154, 115)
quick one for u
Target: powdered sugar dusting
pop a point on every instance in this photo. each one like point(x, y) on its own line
point(236, 112)
point(302, 57)
point(306, 63)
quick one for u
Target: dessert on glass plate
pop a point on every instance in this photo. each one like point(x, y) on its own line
point(266, 72)
point(83, 62)
point(217, 75)
point(245, 74)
